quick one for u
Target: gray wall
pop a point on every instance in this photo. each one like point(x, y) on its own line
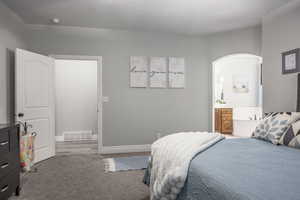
point(281, 32)
point(134, 116)
point(246, 40)
point(11, 29)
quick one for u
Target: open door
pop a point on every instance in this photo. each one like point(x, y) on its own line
point(35, 99)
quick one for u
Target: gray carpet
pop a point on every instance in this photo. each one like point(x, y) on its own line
point(82, 177)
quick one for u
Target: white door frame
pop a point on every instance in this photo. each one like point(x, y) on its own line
point(99, 88)
point(213, 78)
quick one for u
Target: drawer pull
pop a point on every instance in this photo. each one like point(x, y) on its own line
point(4, 166)
point(3, 143)
point(4, 188)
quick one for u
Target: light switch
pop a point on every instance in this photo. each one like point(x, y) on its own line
point(105, 99)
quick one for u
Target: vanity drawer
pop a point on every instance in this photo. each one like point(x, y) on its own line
point(223, 120)
point(226, 110)
point(227, 117)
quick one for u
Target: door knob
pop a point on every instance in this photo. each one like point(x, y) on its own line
point(21, 115)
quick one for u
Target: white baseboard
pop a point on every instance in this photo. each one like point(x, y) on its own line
point(60, 138)
point(126, 149)
point(94, 137)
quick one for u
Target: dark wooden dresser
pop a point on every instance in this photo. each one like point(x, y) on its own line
point(223, 120)
point(9, 161)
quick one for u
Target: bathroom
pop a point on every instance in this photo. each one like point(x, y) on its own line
point(237, 88)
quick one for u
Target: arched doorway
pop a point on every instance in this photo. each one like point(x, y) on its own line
point(236, 89)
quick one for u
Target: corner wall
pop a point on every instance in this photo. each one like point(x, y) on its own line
point(281, 32)
point(11, 30)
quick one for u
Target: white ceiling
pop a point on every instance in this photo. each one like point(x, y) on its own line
point(176, 16)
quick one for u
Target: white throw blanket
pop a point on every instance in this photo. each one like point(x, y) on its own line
point(171, 157)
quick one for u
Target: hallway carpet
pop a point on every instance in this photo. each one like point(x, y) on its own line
point(81, 177)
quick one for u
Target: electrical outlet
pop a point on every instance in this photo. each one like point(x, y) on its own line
point(105, 99)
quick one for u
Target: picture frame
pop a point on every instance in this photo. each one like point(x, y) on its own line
point(240, 83)
point(291, 61)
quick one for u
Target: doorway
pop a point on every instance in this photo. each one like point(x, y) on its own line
point(35, 99)
point(237, 94)
point(78, 105)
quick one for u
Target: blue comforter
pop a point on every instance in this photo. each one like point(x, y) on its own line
point(244, 169)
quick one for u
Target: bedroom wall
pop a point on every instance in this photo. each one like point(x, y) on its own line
point(151, 111)
point(134, 116)
point(245, 40)
point(281, 32)
point(11, 29)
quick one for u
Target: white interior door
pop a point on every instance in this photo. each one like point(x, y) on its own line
point(35, 99)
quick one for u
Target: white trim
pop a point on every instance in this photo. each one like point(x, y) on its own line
point(59, 138)
point(78, 132)
point(99, 88)
point(126, 149)
point(237, 55)
point(94, 137)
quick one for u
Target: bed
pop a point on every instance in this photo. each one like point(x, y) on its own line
point(243, 169)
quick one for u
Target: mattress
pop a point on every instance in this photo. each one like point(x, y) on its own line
point(242, 169)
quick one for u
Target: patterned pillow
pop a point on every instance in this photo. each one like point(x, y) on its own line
point(291, 137)
point(274, 126)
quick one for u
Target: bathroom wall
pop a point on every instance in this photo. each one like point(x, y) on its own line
point(235, 70)
point(76, 96)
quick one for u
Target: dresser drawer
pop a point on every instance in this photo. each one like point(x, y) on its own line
point(5, 167)
point(4, 141)
point(14, 142)
point(8, 163)
point(4, 146)
point(8, 185)
point(4, 135)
